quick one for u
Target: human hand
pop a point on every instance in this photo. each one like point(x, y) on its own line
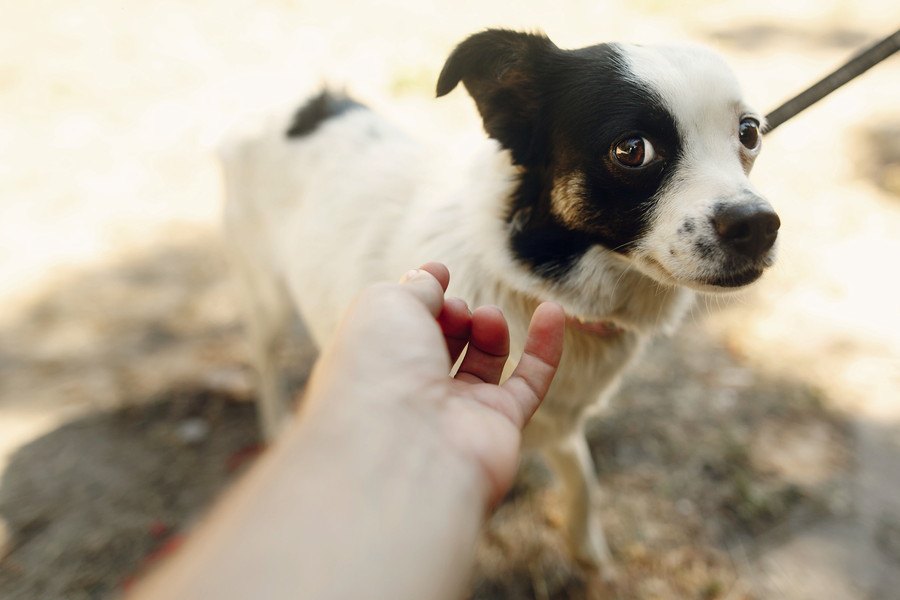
point(392, 358)
point(388, 472)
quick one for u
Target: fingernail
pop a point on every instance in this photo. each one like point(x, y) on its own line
point(409, 275)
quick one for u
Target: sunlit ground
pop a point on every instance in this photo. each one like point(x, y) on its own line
point(114, 294)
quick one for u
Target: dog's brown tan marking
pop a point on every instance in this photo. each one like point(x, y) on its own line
point(567, 200)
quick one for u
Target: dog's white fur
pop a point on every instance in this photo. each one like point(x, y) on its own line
point(706, 101)
point(313, 220)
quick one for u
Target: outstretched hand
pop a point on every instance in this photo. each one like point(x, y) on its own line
point(389, 472)
point(413, 336)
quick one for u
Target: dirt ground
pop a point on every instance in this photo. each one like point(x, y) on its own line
point(755, 454)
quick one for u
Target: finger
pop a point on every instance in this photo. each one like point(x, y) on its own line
point(439, 271)
point(488, 347)
point(543, 349)
point(426, 288)
point(456, 324)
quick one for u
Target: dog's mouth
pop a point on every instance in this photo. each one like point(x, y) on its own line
point(735, 279)
point(727, 280)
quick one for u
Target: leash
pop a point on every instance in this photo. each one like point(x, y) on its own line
point(853, 68)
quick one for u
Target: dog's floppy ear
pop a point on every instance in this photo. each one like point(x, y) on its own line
point(502, 70)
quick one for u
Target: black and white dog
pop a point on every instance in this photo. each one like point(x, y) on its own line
point(614, 183)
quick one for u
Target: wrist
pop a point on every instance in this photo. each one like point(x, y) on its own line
point(399, 487)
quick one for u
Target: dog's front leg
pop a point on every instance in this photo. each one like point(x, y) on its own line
point(572, 461)
point(267, 314)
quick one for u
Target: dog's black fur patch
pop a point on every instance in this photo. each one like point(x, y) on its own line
point(537, 237)
point(324, 106)
point(560, 112)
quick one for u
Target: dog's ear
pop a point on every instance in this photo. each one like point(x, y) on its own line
point(503, 72)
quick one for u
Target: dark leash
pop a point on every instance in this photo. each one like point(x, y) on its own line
point(853, 68)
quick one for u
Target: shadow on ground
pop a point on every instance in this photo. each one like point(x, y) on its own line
point(704, 463)
point(89, 502)
point(704, 460)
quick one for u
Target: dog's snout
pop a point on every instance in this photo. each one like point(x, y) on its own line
point(749, 230)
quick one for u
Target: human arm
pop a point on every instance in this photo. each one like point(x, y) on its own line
point(378, 489)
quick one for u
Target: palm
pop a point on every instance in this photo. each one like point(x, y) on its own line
point(483, 418)
point(480, 419)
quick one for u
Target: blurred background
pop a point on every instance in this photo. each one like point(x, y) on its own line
point(755, 454)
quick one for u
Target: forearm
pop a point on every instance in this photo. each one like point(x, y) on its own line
point(337, 509)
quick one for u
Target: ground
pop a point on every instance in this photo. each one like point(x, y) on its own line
point(753, 454)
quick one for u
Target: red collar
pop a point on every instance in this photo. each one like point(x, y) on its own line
point(604, 329)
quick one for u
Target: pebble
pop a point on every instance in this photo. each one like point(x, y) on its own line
point(192, 431)
point(684, 507)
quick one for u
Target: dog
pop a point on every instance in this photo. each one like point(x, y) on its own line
point(613, 180)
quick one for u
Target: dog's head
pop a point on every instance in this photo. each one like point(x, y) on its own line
point(644, 151)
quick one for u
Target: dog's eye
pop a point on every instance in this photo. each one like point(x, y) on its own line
point(748, 132)
point(634, 152)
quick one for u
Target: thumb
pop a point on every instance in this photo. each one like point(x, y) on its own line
point(426, 289)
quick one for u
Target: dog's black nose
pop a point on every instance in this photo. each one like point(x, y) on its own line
point(748, 229)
